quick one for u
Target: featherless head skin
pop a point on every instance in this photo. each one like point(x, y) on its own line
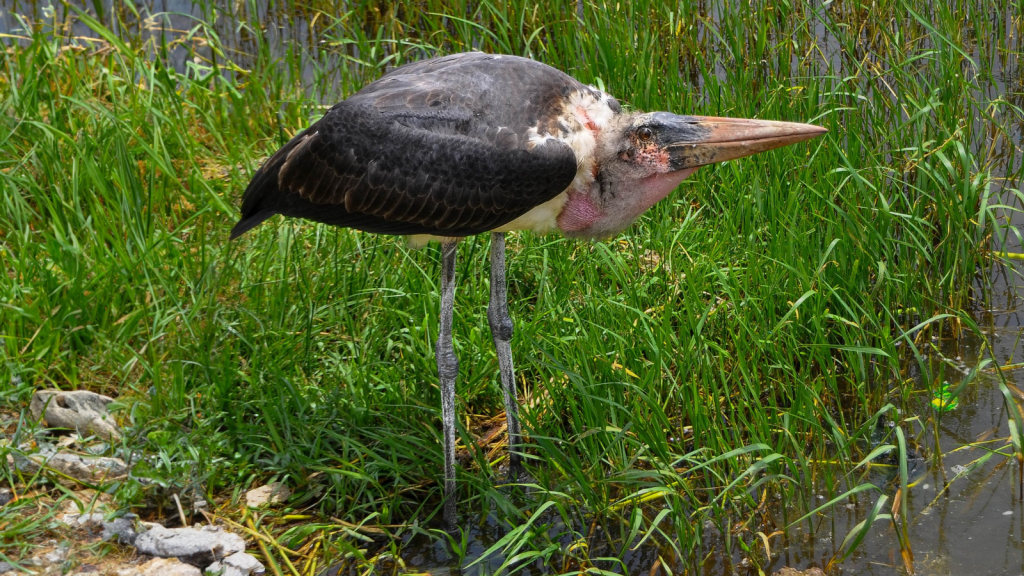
point(640, 158)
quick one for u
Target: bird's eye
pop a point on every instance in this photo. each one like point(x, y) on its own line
point(645, 134)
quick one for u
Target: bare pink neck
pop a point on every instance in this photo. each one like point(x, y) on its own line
point(582, 214)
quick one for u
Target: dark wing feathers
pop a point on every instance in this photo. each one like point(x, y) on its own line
point(434, 147)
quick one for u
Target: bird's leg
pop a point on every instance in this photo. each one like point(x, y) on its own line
point(501, 331)
point(447, 370)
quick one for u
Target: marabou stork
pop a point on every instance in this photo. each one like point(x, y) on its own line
point(471, 143)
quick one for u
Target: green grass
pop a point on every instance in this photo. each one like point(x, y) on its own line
point(743, 330)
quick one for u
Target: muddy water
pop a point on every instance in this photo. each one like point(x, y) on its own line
point(965, 518)
point(965, 513)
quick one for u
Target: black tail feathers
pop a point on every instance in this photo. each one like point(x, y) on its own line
point(262, 196)
point(257, 201)
point(250, 222)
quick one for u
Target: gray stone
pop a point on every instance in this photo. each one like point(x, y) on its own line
point(79, 410)
point(5, 497)
point(91, 469)
point(199, 548)
point(5, 568)
point(123, 529)
point(246, 564)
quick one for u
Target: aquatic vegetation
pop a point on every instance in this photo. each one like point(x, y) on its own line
point(721, 376)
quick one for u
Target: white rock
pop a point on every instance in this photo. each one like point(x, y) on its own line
point(200, 547)
point(91, 469)
point(218, 569)
point(78, 410)
point(272, 493)
point(92, 521)
point(246, 564)
point(163, 567)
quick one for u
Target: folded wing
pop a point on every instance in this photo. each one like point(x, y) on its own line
point(438, 147)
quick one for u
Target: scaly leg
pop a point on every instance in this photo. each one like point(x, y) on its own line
point(447, 370)
point(501, 331)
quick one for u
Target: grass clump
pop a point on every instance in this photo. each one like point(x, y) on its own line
point(673, 378)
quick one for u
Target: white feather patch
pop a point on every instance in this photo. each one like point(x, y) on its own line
point(417, 241)
point(540, 219)
point(534, 138)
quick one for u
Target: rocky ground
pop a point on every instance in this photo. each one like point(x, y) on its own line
point(68, 528)
point(59, 518)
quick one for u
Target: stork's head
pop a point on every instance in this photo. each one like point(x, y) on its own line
point(641, 157)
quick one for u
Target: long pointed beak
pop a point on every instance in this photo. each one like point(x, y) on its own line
point(702, 140)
